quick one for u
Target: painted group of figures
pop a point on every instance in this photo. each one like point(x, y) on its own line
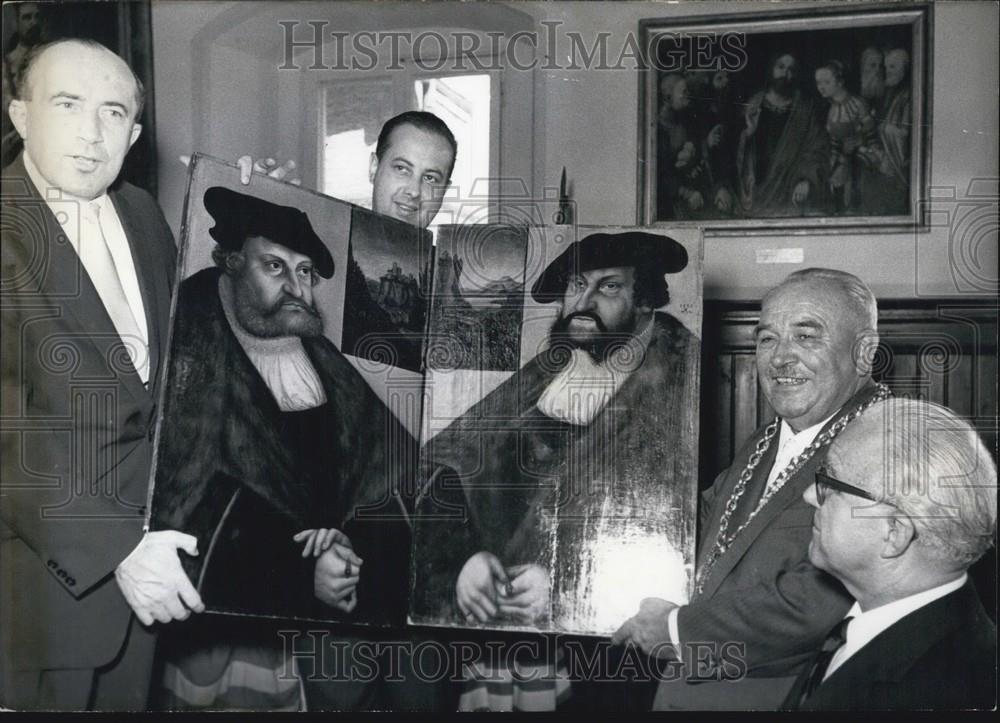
point(839, 148)
point(286, 475)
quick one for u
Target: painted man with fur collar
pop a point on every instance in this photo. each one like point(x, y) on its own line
point(272, 434)
point(601, 405)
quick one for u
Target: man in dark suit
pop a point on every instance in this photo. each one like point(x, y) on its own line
point(759, 606)
point(87, 267)
point(906, 502)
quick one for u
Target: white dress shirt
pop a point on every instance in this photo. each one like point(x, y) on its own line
point(866, 625)
point(790, 445)
point(83, 225)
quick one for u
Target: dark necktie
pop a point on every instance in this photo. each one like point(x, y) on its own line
point(836, 638)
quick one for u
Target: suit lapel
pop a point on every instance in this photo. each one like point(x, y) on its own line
point(789, 492)
point(792, 489)
point(890, 654)
point(728, 560)
point(793, 701)
point(711, 531)
point(755, 487)
point(150, 284)
point(64, 280)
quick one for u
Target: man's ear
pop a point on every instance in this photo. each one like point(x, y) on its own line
point(19, 117)
point(865, 348)
point(234, 262)
point(136, 130)
point(372, 167)
point(899, 535)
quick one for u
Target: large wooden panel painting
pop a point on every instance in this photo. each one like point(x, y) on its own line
point(558, 494)
point(268, 432)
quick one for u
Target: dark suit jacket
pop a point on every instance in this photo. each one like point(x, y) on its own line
point(941, 656)
point(76, 431)
point(763, 594)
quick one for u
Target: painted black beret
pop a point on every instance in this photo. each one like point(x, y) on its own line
point(652, 253)
point(239, 216)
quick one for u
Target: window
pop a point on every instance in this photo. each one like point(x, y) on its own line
point(353, 112)
point(463, 102)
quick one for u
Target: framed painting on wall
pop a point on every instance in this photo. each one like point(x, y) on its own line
point(792, 121)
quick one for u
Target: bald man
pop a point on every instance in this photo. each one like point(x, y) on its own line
point(88, 269)
point(905, 503)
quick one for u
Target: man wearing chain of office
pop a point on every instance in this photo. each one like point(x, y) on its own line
point(755, 586)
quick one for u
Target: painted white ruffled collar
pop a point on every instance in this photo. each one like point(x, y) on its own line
point(584, 387)
point(282, 362)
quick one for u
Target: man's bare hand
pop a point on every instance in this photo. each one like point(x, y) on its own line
point(800, 193)
point(714, 136)
point(265, 166)
point(723, 200)
point(268, 167)
point(335, 579)
point(649, 629)
point(476, 587)
point(752, 117)
point(692, 198)
point(154, 583)
point(526, 598)
point(319, 540)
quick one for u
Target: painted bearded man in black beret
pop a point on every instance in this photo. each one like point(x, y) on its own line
point(576, 451)
point(272, 441)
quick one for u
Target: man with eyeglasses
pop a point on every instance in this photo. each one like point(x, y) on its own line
point(906, 502)
point(759, 606)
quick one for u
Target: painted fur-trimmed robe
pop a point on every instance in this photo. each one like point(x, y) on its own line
point(509, 480)
point(227, 472)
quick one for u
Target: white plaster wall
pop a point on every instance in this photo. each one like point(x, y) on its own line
point(227, 97)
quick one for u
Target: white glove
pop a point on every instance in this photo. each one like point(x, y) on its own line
point(154, 583)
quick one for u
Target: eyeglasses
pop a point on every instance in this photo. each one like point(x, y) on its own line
point(824, 483)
